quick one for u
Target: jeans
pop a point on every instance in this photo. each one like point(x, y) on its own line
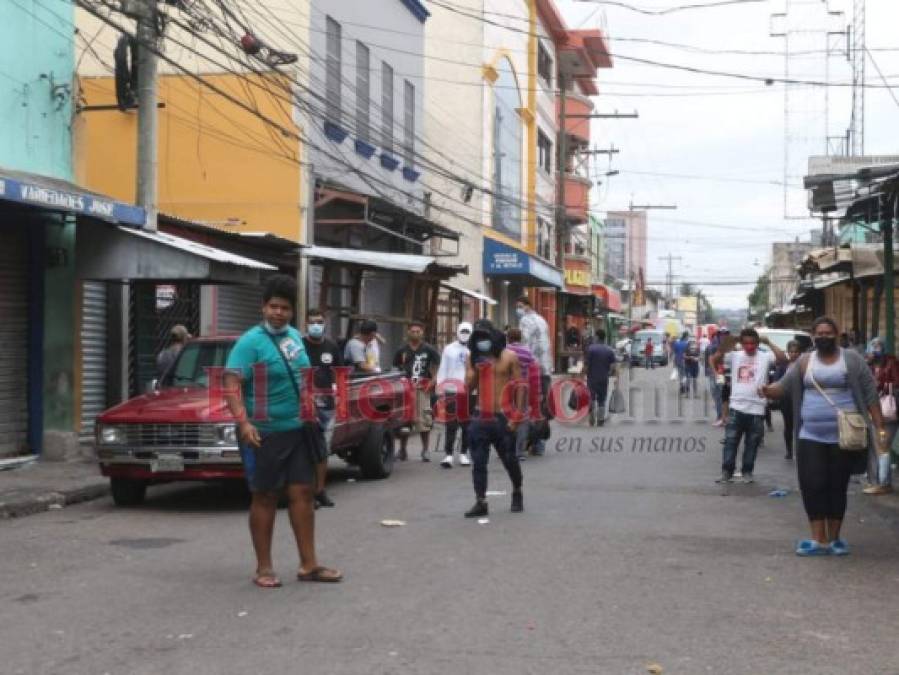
point(453, 425)
point(738, 425)
point(786, 410)
point(521, 438)
point(599, 394)
point(715, 391)
point(545, 384)
point(483, 434)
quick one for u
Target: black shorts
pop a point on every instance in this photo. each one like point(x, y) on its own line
point(284, 458)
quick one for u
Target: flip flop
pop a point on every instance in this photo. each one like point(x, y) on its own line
point(267, 580)
point(810, 548)
point(321, 574)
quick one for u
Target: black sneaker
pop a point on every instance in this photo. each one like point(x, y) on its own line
point(517, 502)
point(322, 499)
point(479, 509)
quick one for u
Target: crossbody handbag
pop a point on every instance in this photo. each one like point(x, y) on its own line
point(852, 427)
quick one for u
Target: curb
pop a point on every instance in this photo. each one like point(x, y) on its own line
point(50, 500)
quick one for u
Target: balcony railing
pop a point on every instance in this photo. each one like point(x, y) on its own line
point(577, 197)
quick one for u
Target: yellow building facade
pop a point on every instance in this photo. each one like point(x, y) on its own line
point(219, 164)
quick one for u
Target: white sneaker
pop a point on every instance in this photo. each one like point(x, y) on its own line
point(464, 459)
point(447, 462)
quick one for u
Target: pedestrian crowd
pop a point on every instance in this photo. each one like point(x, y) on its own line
point(831, 395)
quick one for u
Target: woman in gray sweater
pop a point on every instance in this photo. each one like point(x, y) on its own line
point(824, 468)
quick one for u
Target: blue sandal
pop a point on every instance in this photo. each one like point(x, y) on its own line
point(839, 547)
point(810, 547)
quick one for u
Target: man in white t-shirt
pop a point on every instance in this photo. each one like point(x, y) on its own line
point(749, 371)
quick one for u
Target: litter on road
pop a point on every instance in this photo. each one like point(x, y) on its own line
point(483, 521)
point(496, 493)
point(779, 493)
point(393, 523)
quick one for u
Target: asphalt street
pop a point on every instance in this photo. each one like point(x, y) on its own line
point(625, 559)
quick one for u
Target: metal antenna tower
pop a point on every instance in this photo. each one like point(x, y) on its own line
point(858, 55)
point(808, 28)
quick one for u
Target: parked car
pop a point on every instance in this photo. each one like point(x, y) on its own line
point(638, 347)
point(180, 432)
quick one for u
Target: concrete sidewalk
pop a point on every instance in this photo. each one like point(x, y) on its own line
point(38, 486)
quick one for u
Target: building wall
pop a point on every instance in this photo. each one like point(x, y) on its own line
point(453, 112)
point(218, 164)
point(784, 279)
point(635, 232)
point(395, 36)
point(598, 249)
point(519, 49)
point(36, 81)
point(36, 61)
point(616, 246)
point(546, 181)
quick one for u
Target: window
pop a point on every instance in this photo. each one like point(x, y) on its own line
point(544, 64)
point(386, 107)
point(544, 152)
point(363, 92)
point(409, 122)
point(332, 70)
point(544, 239)
point(506, 153)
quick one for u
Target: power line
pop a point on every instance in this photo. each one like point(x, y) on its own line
point(765, 79)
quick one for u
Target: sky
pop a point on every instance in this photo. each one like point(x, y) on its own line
point(729, 134)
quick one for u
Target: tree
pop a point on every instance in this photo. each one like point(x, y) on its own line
point(758, 299)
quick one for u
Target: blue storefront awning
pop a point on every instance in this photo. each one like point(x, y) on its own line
point(501, 260)
point(60, 195)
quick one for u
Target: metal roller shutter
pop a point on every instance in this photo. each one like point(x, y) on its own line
point(238, 308)
point(93, 356)
point(14, 338)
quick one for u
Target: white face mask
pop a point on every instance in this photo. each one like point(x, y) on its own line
point(484, 345)
point(275, 331)
point(520, 311)
point(464, 332)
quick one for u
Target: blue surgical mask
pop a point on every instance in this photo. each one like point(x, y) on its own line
point(484, 345)
point(316, 330)
point(519, 311)
point(275, 331)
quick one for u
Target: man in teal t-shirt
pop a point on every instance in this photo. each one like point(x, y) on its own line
point(278, 451)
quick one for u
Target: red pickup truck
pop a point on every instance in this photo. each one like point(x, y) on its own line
point(178, 432)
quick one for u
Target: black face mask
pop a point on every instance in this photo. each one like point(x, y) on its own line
point(826, 345)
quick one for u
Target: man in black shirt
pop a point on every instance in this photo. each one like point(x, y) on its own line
point(324, 354)
point(419, 361)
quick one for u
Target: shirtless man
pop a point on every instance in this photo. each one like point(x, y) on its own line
point(488, 369)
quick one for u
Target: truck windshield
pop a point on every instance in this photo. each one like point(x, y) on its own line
point(190, 368)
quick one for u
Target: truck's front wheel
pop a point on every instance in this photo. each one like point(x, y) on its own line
point(375, 455)
point(127, 492)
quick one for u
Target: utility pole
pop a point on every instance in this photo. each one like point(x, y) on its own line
point(561, 215)
point(147, 116)
point(888, 206)
point(669, 278)
point(563, 152)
